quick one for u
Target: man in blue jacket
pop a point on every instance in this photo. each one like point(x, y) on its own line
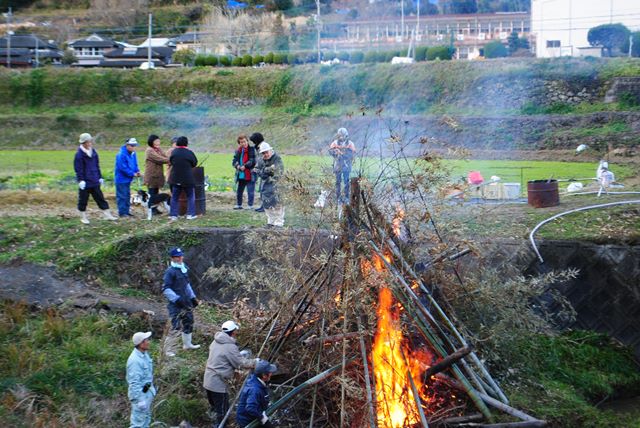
point(254, 398)
point(126, 169)
point(177, 289)
point(140, 379)
point(87, 167)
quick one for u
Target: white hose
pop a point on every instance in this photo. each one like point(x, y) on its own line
point(591, 207)
point(596, 192)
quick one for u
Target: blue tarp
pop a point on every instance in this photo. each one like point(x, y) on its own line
point(232, 4)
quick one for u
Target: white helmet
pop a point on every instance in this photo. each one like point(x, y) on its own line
point(229, 326)
point(265, 147)
point(342, 132)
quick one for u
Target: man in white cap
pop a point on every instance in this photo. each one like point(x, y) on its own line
point(140, 380)
point(343, 151)
point(224, 359)
point(271, 172)
point(125, 171)
point(87, 167)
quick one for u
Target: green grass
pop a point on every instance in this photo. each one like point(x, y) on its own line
point(56, 367)
point(560, 378)
point(54, 169)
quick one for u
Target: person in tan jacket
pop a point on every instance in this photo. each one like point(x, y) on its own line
point(224, 359)
point(154, 179)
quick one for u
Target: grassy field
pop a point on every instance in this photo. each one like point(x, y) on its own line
point(21, 169)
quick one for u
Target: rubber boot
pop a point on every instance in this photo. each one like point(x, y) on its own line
point(170, 343)
point(83, 217)
point(186, 342)
point(107, 215)
point(166, 206)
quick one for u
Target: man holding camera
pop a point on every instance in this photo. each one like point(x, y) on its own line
point(140, 380)
point(177, 289)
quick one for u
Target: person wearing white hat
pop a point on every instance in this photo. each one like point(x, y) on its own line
point(125, 170)
point(87, 167)
point(224, 359)
point(271, 171)
point(343, 151)
point(140, 379)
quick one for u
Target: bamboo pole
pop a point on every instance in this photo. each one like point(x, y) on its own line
point(367, 376)
point(330, 339)
point(416, 394)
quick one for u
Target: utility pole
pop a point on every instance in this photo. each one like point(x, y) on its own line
point(37, 60)
point(630, 44)
point(402, 18)
point(318, 27)
point(8, 15)
point(418, 19)
point(149, 40)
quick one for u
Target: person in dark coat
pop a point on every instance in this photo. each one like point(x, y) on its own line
point(87, 167)
point(257, 139)
point(177, 290)
point(271, 172)
point(244, 160)
point(182, 162)
point(254, 398)
point(126, 170)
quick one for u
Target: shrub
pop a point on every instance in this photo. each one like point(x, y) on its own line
point(211, 60)
point(257, 60)
point(185, 57)
point(225, 61)
point(237, 61)
point(343, 56)
point(279, 58)
point(268, 58)
point(356, 57)
point(328, 56)
point(439, 52)
point(200, 61)
point(371, 56)
point(247, 60)
point(292, 59)
point(421, 53)
point(495, 50)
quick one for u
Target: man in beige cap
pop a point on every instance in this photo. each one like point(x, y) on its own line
point(89, 177)
point(140, 379)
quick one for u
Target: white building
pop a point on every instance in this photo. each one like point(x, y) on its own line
point(560, 27)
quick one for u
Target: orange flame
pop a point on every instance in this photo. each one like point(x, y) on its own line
point(392, 360)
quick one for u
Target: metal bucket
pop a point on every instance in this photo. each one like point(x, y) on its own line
point(543, 193)
point(201, 203)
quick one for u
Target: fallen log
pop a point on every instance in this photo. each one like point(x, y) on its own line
point(447, 362)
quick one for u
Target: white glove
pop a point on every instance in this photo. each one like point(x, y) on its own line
point(142, 405)
point(245, 353)
point(101, 181)
point(82, 185)
point(264, 419)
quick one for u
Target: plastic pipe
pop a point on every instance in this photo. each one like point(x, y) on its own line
point(590, 207)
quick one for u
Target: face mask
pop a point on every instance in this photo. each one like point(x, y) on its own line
point(180, 266)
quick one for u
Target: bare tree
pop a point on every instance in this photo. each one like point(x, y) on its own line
point(237, 32)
